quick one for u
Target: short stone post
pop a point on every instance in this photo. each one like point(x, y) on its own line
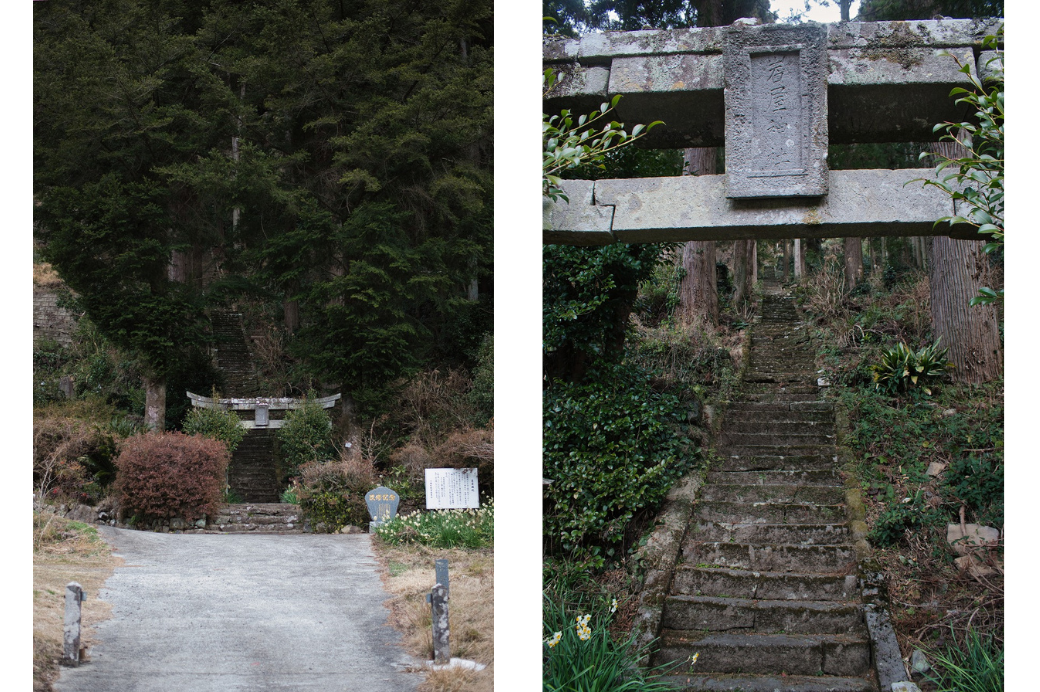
point(442, 575)
point(74, 598)
point(439, 606)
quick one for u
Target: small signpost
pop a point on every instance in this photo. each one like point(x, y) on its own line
point(438, 600)
point(74, 598)
point(452, 489)
point(382, 505)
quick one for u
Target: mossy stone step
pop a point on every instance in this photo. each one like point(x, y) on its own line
point(742, 462)
point(821, 559)
point(777, 439)
point(817, 494)
point(826, 477)
point(714, 614)
point(769, 683)
point(768, 512)
point(778, 424)
point(776, 534)
point(793, 654)
point(777, 586)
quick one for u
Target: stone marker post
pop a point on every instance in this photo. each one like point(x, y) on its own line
point(439, 605)
point(74, 598)
point(442, 574)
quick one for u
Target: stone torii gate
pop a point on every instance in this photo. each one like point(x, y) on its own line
point(775, 96)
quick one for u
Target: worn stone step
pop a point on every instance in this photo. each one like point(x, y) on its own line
point(818, 494)
point(710, 581)
point(768, 683)
point(777, 439)
point(793, 654)
point(777, 424)
point(827, 477)
point(258, 528)
point(715, 614)
point(747, 462)
point(782, 397)
point(768, 513)
point(819, 559)
point(796, 407)
point(748, 450)
point(763, 534)
point(738, 419)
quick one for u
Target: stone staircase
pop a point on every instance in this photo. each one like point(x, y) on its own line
point(252, 475)
point(257, 517)
point(765, 589)
point(233, 357)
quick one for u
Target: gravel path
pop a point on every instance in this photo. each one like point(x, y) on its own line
point(226, 613)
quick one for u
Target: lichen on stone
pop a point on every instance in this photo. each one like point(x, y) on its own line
point(902, 46)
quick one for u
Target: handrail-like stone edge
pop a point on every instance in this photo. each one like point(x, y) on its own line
point(658, 558)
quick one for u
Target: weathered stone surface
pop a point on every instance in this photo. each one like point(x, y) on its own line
point(888, 661)
point(73, 617)
point(940, 33)
point(860, 203)
point(905, 686)
point(577, 221)
point(919, 662)
point(991, 62)
point(973, 535)
point(776, 111)
point(887, 80)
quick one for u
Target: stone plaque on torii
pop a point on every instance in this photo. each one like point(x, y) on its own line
point(775, 96)
point(261, 407)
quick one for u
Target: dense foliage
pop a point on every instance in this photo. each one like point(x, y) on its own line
point(306, 436)
point(217, 424)
point(166, 475)
point(333, 156)
point(612, 448)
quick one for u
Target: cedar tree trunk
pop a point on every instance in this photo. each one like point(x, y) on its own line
point(155, 403)
point(698, 294)
point(853, 262)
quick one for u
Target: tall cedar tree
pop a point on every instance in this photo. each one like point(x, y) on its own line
point(332, 156)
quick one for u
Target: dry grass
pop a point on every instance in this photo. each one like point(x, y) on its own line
point(64, 551)
point(409, 574)
point(44, 276)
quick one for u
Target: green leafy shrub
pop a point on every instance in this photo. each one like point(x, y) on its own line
point(611, 448)
point(332, 493)
point(306, 436)
point(898, 517)
point(978, 482)
point(659, 295)
point(977, 667)
point(216, 424)
point(171, 475)
point(902, 369)
point(448, 528)
point(579, 654)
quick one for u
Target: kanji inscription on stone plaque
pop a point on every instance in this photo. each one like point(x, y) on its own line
point(382, 504)
point(776, 111)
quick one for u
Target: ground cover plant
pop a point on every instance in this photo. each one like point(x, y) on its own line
point(924, 454)
point(445, 528)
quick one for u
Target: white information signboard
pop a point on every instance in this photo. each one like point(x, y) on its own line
point(452, 489)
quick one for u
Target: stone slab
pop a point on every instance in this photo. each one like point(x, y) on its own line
point(861, 203)
point(887, 80)
point(576, 221)
point(776, 111)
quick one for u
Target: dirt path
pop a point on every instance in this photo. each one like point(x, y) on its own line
point(243, 612)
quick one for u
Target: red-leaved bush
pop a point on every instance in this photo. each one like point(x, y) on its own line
point(171, 475)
